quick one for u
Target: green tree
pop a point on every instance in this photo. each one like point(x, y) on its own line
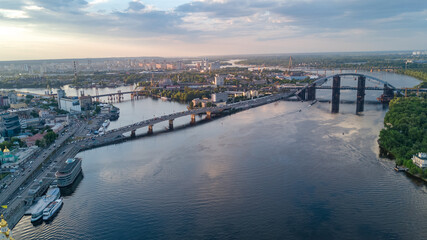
point(40, 143)
point(50, 137)
point(5, 144)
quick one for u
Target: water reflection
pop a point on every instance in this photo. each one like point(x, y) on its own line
point(69, 190)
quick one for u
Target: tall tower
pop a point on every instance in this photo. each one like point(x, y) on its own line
point(290, 63)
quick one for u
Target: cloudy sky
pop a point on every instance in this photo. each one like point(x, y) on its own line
point(46, 29)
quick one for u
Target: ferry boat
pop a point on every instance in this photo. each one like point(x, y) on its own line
point(67, 174)
point(106, 123)
point(114, 114)
point(52, 194)
point(51, 209)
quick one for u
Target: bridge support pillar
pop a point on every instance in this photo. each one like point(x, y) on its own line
point(336, 84)
point(301, 95)
point(193, 119)
point(170, 124)
point(311, 92)
point(208, 115)
point(150, 129)
point(388, 93)
point(360, 94)
point(133, 134)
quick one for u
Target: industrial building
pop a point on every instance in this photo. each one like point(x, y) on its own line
point(71, 105)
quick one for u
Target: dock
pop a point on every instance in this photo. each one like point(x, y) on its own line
point(400, 169)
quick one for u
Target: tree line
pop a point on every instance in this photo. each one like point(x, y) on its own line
point(420, 74)
point(187, 95)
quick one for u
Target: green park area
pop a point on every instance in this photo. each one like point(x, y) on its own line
point(405, 131)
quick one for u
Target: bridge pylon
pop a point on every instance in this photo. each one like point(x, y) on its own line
point(150, 129)
point(193, 119)
point(360, 94)
point(171, 124)
point(388, 92)
point(301, 95)
point(336, 84)
point(311, 92)
point(208, 115)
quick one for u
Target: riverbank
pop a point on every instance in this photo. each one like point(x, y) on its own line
point(405, 132)
point(418, 74)
point(386, 154)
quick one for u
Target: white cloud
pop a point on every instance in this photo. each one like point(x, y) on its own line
point(8, 13)
point(33, 7)
point(94, 2)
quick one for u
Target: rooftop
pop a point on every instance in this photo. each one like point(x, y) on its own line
point(69, 166)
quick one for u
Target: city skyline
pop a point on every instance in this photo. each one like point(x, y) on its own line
point(110, 28)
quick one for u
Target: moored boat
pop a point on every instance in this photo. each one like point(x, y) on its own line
point(106, 123)
point(51, 209)
point(67, 174)
point(52, 194)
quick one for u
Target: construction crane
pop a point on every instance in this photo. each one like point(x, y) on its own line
point(406, 91)
point(97, 93)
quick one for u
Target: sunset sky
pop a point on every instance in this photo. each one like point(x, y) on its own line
point(47, 29)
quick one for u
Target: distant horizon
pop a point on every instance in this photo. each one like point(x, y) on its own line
point(217, 56)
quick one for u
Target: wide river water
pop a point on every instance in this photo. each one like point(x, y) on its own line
point(272, 172)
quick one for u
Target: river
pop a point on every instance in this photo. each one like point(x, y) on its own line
point(272, 172)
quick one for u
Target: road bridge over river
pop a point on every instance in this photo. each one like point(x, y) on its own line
point(115, 135)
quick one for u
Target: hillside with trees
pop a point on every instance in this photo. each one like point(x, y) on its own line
point(405, 131)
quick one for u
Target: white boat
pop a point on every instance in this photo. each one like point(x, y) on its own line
point(52, 194)
point(51, 209)
point(106, 123)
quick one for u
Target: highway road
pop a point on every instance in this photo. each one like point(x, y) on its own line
point(34, 167)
